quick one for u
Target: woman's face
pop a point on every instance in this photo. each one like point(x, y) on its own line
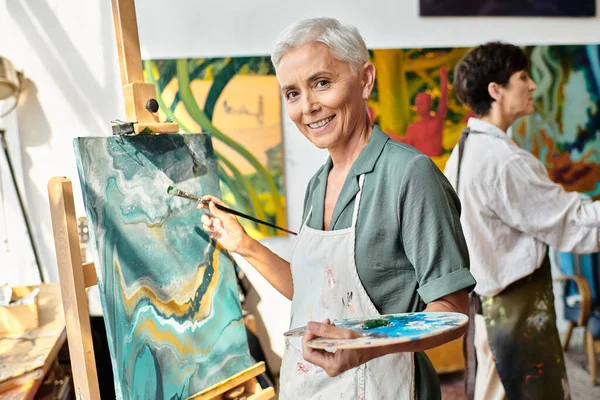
point(517, 96)
point(324, 97)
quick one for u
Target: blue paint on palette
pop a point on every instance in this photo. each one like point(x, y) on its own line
point(388, 329)
point(168, 292)
point(414, 325)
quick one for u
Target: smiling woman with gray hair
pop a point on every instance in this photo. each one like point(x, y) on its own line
point(381, 230)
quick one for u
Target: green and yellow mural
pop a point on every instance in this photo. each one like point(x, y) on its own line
point(237, 101)
point(413, 102)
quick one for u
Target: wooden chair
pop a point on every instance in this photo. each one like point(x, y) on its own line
point(75, 277)
point(579, 281)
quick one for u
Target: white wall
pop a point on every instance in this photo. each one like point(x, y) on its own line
point(67, 49)
point(16, 265)
point(250, 27)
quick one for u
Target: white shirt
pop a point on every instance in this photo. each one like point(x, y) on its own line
point(511, 210)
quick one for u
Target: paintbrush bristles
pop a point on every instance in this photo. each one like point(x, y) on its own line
point(180, 193)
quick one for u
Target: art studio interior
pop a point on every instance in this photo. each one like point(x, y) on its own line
point(395, 199)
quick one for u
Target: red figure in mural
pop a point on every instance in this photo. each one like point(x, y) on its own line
point(426, 134)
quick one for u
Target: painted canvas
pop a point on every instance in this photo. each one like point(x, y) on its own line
point(414, 103)
point(540, 8)
point(168, 291)
point(383, 330)
point(237, 101)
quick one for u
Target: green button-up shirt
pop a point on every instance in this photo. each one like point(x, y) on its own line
point(410, 248)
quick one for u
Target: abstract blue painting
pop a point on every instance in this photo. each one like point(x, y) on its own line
point(168, 291)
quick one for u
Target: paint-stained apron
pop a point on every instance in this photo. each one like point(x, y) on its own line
point(326, 285)
point(522, 334)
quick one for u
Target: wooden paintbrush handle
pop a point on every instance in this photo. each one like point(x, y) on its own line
point(239, 214)
point(242, 215)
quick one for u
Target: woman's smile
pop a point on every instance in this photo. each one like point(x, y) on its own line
point(320, 125)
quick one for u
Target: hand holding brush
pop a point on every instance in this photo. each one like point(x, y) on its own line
point(223, 226)
point(206, 200)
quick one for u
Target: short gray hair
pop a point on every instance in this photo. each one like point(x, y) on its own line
point(344, 41)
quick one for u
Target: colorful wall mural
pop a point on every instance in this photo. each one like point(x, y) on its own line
point(413, 102)
point(237, 101)
point(564, 131)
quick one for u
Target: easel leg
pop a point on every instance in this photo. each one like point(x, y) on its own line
point(23, 210)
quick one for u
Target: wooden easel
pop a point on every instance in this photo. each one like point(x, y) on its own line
point(74, 279)
point(137, 94)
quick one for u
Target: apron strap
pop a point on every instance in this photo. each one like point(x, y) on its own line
point(469, 354)
point(461, 149)
point(361, 181)
point(307, 218)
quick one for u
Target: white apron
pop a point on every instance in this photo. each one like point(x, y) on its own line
point(326, 285)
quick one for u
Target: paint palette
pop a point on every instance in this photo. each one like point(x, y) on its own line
point(389, 329)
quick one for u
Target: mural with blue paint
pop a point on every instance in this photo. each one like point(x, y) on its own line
point(564, 130)
point(168, 291)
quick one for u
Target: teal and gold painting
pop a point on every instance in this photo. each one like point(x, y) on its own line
point(168, 291)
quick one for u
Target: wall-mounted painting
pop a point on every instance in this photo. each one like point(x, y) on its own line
point(532, 8)
point(414, 103)
point(237, 101)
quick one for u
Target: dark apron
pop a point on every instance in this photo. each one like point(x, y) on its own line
point(522, 334)
point(521, 328)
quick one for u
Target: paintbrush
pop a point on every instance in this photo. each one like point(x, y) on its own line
point(180, 193)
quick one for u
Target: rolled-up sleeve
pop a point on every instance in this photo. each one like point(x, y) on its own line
point(429, 214)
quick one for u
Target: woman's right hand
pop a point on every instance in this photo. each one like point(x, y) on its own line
point(223, 227)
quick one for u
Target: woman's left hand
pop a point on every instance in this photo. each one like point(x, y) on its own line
point(343, 360)
point(340, 361)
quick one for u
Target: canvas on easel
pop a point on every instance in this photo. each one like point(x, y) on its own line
point(168, 291)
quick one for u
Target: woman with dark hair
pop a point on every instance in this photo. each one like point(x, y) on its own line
point(512, 211)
